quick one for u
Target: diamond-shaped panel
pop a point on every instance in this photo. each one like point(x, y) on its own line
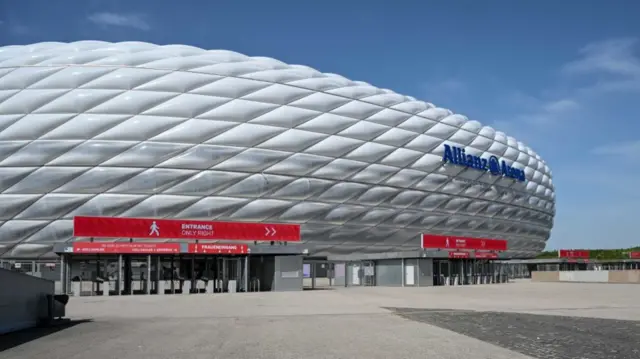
point(177, 131)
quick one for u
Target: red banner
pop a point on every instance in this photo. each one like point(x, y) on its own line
point(125, 248)
point(218, 248)
point(115, 227)
point(634, 255)
point(486, 255)
point(574, 254)
point(430, 241)
point(459, 255)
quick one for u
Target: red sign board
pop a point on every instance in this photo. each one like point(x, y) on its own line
point(125, 248)
point(116, 227)
point(459, 255)
point(486, 255)
point(430, 241)
point(573, 254)
point(634, 255)
point(218, 248)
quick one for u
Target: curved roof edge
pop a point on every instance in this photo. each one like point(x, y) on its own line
point(229, 63)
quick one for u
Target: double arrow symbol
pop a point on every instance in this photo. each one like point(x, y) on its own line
point(269, 231)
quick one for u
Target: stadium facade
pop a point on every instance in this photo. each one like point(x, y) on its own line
point(139, 130)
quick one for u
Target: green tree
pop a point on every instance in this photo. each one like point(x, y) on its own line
point(603, 254)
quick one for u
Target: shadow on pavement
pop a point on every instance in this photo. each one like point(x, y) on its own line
point(321, 288)
point(536, 335)
point(14, 339)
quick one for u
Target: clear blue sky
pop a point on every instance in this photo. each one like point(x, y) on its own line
point(562, 76)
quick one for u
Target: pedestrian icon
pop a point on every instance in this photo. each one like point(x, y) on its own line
point(446, 243)
point(154, 229)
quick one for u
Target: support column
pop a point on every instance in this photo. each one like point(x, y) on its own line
point(246, 274)
point(331, 273)
point(149, 274)
point(128, 275)
point(119, 282)
point(403, 272)
point(312, 269)
point(173, 271)
point(194, 281)
point(239, 279)
point(98, 275)
point(63, 282)
point(67, 273)
point(159, 277)
point(225, 274)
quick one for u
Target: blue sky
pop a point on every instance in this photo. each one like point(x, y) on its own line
point(562, 76)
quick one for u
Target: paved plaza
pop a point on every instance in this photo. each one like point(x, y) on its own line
point(515, 320)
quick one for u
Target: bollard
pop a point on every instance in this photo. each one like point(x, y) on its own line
point(160, 286)
point(75, 288)
point(105, 289)
point(209, 286)
point(232, 286)
point(186, 287)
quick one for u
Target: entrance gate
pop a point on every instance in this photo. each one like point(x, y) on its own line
point(467, 272)
point(154, 274)
point(107, 268)
point(470, 259)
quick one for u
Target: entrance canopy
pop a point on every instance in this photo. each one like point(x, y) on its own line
point(464, 247)
point(177, 236)
point(145, 248)
point(158, 248)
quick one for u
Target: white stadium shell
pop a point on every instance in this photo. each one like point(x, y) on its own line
point(135, 129)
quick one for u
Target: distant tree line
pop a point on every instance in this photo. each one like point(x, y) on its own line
point(603, 254)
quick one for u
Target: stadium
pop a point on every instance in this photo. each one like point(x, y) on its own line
point(135, 129)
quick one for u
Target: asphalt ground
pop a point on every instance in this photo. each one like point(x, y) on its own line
point(515, 320)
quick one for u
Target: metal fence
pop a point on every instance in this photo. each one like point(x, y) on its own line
point(48, 269)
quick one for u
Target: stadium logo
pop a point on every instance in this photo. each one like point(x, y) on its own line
point(458, 156)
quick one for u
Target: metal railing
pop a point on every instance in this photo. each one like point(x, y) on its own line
point(254, 285)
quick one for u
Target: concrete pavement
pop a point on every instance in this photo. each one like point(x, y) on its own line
point(371, 323)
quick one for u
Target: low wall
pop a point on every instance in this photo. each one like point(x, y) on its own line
point(604, 276)
point(584, 276)
point(23, 300)
point(624, 276)
point(545, 276)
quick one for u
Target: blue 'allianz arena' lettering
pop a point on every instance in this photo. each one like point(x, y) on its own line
point(458, 156)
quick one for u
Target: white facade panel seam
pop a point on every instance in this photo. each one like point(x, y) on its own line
point(521, 212)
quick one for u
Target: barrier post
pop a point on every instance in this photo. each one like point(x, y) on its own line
point(76, 288)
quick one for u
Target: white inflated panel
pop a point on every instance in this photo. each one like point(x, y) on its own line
point(136, 129)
